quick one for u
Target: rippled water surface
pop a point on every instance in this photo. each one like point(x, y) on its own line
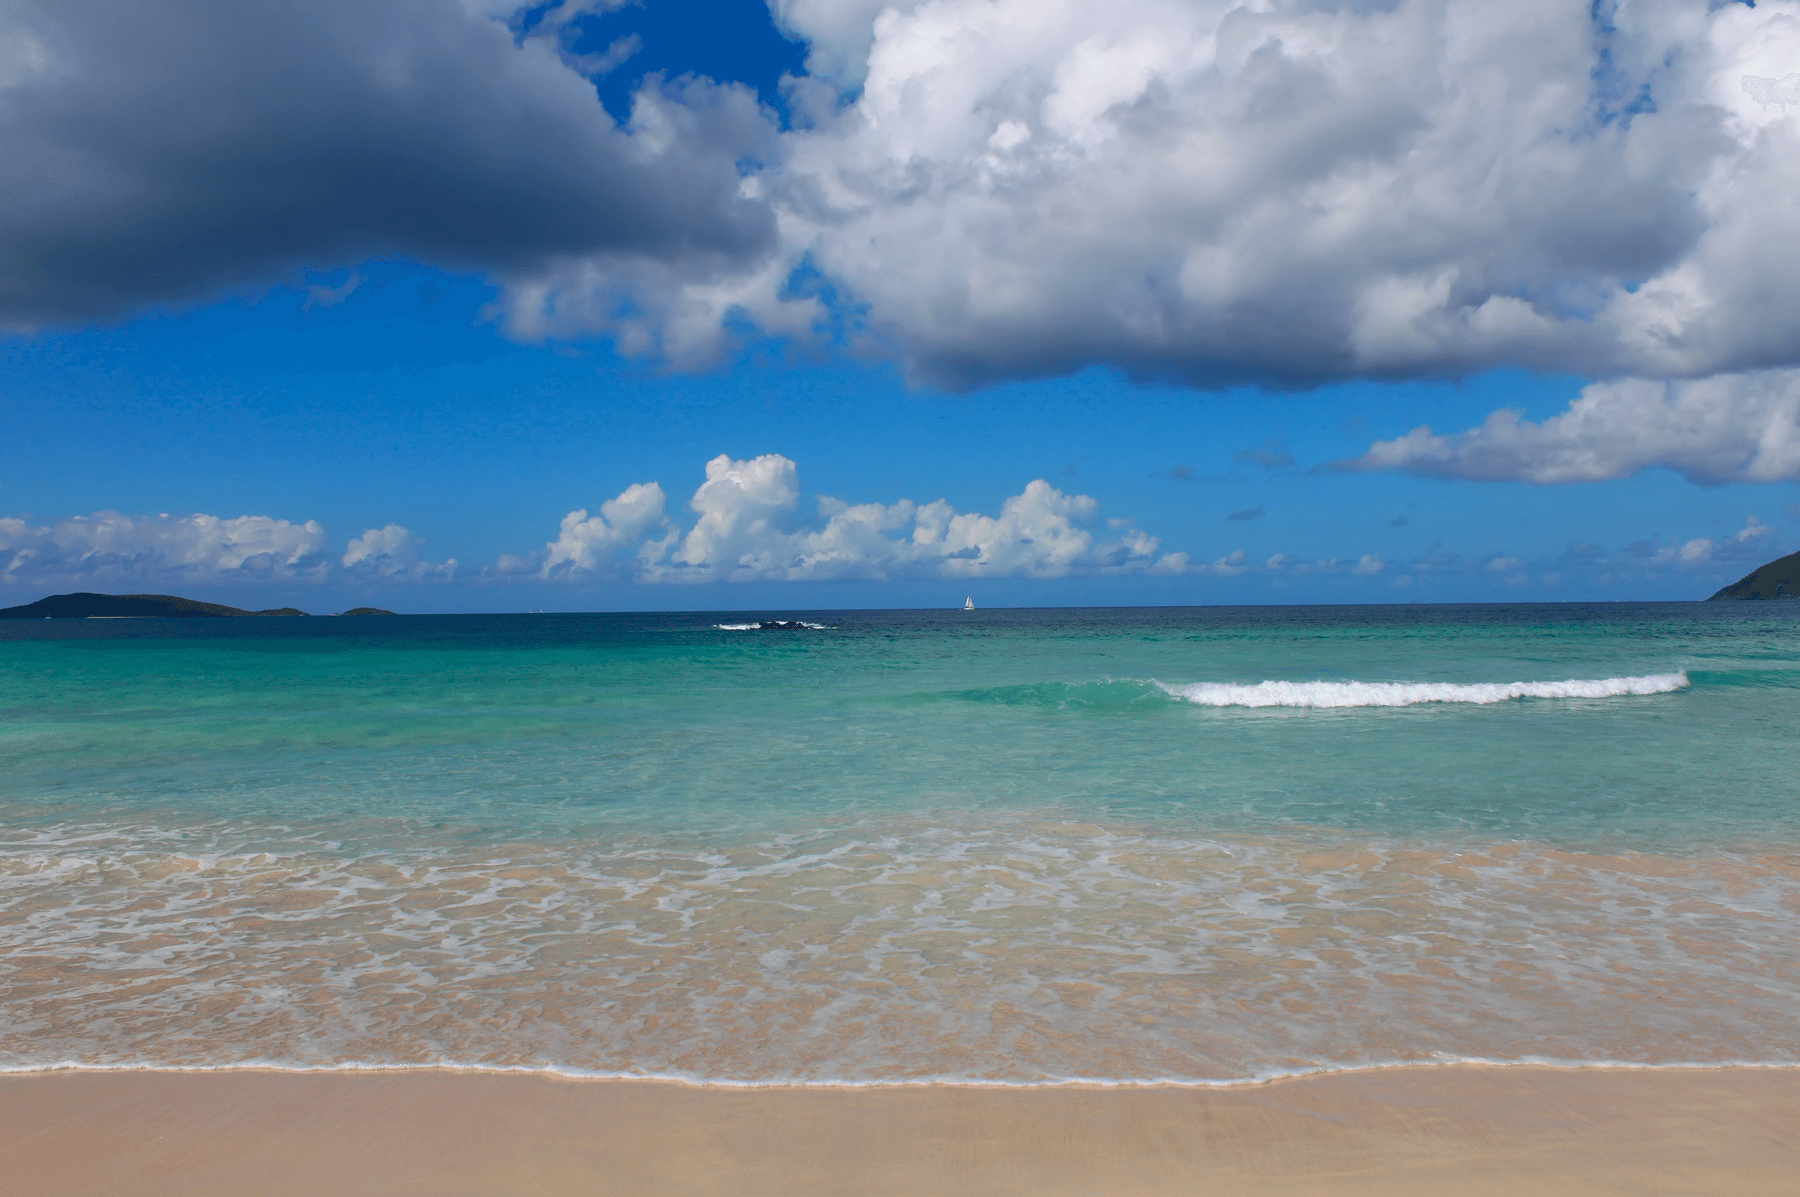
point(1201, 844)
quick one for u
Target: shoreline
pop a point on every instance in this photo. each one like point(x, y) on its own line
point(560, 1072)
point(1452, 1128)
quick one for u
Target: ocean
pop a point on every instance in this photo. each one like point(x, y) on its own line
point(1199, 845)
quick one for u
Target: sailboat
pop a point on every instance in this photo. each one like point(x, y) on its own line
point(969, 603)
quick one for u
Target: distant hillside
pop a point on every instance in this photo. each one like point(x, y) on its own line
point(92, 606)
point(1778, 579)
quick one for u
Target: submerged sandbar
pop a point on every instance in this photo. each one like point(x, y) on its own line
point(1459, 1129)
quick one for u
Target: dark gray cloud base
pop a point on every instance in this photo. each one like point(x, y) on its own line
point(161, 152)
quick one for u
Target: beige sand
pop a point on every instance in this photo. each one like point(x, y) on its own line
point(1451, 1130)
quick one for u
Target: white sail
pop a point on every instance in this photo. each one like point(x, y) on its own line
point(969, 603)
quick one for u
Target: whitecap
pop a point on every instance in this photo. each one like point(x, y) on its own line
point(1403, 694)
point(774, 623)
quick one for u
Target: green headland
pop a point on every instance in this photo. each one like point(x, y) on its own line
point(1779, 579)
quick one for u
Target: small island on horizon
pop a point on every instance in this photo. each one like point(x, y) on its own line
point(86, 605)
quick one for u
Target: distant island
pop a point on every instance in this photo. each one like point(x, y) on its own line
point(118, 606)
point(126, 606)
point(1779, 579)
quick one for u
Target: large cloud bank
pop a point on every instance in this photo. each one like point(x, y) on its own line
point(1277, 192)
point(1273, 191)
point(1283, 191)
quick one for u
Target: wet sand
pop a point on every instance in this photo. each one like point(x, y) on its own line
point(1441, 1130)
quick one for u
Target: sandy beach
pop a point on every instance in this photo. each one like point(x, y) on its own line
point(1453, 1129)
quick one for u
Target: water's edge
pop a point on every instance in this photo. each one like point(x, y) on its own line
point(558, 1072)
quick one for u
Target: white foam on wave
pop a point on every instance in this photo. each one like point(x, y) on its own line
point(755, 627)
point(1406, 694)
point(896, 942)
point(702, 1081)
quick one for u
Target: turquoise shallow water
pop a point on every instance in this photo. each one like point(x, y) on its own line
point(1203, 844)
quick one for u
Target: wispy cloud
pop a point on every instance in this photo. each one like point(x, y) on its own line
point(321, 295)
point(1270, 455)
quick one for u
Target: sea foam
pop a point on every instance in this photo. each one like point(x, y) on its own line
point(948, 945)
point(1405, 694)
point(783, 624)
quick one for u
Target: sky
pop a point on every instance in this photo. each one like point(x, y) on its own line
point(452, 305)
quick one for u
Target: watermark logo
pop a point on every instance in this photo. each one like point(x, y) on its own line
point(1773, 91)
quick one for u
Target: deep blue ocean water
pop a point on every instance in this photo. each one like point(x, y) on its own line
point(1027, 845)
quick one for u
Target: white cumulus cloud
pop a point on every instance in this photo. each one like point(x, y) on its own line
point(587, 543)
point(393, 552)
point(111, 550)
point(1729, 428)
point(1749, 544)
point(109, 547)
point(838, 33)
point(748, 527)
point(1279, 191)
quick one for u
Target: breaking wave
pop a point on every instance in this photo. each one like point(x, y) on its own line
point(778, 625)
point(1405, 694)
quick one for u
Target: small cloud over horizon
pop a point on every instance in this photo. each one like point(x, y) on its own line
point(1270, 455)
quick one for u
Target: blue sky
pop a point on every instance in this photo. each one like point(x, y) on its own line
point(376, 372)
